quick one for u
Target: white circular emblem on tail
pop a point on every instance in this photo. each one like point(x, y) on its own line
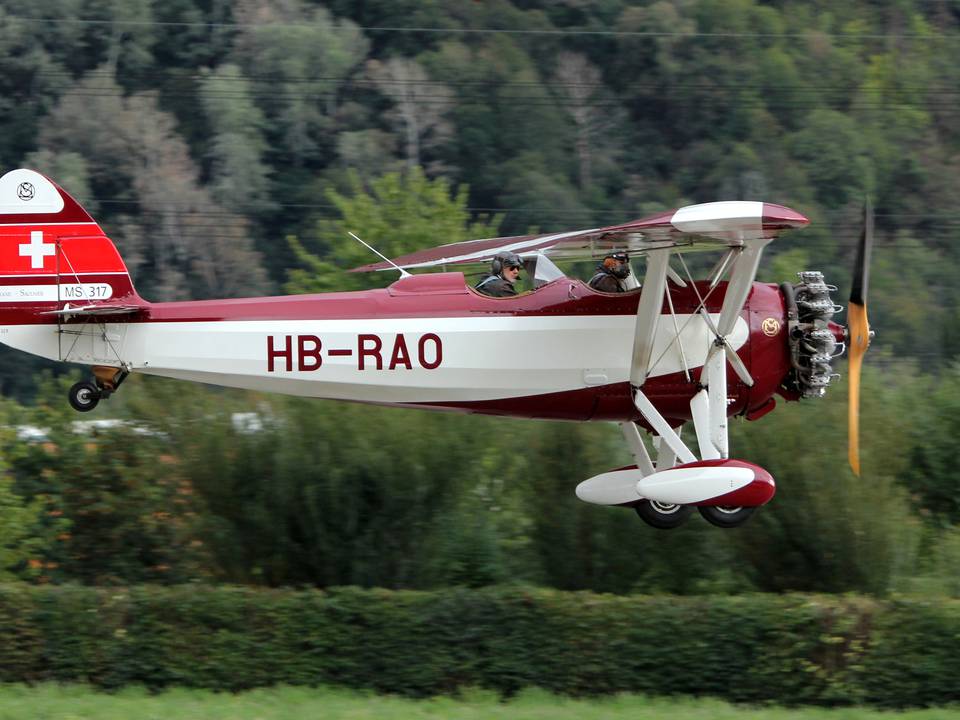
point(26, 191)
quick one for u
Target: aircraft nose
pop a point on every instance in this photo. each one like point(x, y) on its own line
point(839, 331)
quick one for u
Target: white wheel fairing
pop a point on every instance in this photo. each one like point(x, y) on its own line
point(689, 485)
point(617, 487)
point(483, 358)
point(670, 491)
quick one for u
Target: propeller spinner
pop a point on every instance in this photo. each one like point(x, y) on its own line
point(858, 332)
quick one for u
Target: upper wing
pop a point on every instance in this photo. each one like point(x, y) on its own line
point(715, 224)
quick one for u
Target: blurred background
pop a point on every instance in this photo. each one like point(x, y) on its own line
point(228, 147)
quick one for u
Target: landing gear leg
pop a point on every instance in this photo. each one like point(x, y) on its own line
point(108, 379)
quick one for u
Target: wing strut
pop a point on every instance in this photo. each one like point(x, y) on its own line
point(738, 289)
point(666, 457)
point(639, 450)
point(662, 427)
point(648, 314)
point(708, 408)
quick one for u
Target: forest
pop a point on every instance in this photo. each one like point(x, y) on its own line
point(227, 148)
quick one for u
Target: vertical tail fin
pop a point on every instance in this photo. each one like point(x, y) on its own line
point(52, 252)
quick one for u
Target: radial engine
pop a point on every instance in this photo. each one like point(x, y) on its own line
point(815, 340)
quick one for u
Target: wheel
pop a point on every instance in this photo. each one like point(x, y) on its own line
point(84, 396)
point(726, 516)
point(664, 516)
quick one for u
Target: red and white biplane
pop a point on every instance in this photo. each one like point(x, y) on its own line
point(671, 350)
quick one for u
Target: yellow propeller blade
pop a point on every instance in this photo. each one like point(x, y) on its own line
point(858, 332)
point(858, 329)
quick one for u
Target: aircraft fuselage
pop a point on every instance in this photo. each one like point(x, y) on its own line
point(430, 341)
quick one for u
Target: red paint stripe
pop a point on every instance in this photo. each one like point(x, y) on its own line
point(71, 213)
point(558, 298)
point(778, 216)
point(69, 254)
point(84, 229)
point(758, 492)
point(121, 279)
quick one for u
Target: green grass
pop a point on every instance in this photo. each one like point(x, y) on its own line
point(73, 702)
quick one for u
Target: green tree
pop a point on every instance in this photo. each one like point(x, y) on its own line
point(930, 476)
point(830, 145)
point(122, 43)
point(18, 518)
point(31, 77)
point(301, 491)
point(133, 153)
point(827, 530)
point(420, 106)
point(397, 213)
point(240, 176)
point(579, 84)
point(370, 153)
point(908, 300)
point(504, 109)
point(535, 195)
point(117, 508)
point(298, 58)
point(609, 549)
point(32, 526)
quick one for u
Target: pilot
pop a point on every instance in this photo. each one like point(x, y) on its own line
point(611, 273)
point(504, 273)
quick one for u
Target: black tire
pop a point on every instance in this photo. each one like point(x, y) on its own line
point(725, 516)
point(663, 516)
point(84, 396)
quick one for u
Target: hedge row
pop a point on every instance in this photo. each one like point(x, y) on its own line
point(789, 649)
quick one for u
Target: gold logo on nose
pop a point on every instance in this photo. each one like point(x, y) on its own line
point(770, 327)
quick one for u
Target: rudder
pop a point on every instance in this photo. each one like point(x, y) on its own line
point(52, 252)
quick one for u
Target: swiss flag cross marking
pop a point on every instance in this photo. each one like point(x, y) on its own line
point(37, 249)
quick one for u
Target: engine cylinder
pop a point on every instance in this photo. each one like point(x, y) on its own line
point(812, 343)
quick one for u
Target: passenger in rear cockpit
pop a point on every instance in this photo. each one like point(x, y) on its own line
point(504, 273)
point(611, 272)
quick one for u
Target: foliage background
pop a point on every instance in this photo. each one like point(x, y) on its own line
point(227, 147)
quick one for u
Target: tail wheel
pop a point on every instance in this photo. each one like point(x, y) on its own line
point(726, 516)
point(84, 396)
point(664, 516)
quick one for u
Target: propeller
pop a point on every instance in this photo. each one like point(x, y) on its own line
point(858, 333)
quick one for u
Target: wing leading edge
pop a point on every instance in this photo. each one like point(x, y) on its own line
point(708, 225)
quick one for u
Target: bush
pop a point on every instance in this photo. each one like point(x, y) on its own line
point(794, 649)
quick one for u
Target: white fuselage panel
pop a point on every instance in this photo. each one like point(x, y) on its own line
point(396, 360)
